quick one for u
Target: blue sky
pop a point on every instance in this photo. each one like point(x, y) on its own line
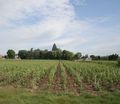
point(87, 26)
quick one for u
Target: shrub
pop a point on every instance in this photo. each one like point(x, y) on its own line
point(118, 62)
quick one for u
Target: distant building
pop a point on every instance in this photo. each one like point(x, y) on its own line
point(17, 57)
point(88, 59)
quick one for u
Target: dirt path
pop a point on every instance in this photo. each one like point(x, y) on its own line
point(57, 85)
point(44, 81)
point(72, 85)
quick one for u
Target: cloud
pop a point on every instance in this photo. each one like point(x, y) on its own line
point(20, 9)
point(40, 23)
point(57, 18)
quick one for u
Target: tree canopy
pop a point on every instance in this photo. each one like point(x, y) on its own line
point(55, 53)
point(45, 54)
point(11, 54)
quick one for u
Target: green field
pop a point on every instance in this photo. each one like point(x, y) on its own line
point(59, 82)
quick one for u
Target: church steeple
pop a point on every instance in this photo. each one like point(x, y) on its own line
point(54, 48)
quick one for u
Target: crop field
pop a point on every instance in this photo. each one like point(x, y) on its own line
point(66, 78)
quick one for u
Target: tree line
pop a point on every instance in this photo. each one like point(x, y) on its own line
point(109, 57)
point(55, 53)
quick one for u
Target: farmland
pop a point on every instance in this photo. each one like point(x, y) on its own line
point(59, 80)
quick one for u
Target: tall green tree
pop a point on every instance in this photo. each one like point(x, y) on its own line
point(78, 55)
point(23, 54)
point(11, 54)
point(113, 57)
point(36, 54)
point(30, 54)
point(67, 55)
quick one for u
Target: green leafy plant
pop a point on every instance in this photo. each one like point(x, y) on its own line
point(118, 62)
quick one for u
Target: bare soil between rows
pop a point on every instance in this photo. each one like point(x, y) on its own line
point(57, 84)
point(72, 84)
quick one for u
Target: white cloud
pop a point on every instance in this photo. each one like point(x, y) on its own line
point(56, 23)
point(58, 19)
point(19, 9)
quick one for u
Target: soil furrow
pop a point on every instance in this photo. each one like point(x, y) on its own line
point(72, 85)
point(44, 81)
point(57, 85)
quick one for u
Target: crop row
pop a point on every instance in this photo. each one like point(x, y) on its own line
point(25, 73)
point(64, 76)
point(101, 75)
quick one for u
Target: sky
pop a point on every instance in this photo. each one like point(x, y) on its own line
point(87, 26)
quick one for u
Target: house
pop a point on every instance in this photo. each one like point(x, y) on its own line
point(17, 57)
point(88, 59)
point(85, 58)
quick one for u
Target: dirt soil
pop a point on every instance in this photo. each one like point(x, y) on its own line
point(44, 81)
point(72, 85)
point(57, 85)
